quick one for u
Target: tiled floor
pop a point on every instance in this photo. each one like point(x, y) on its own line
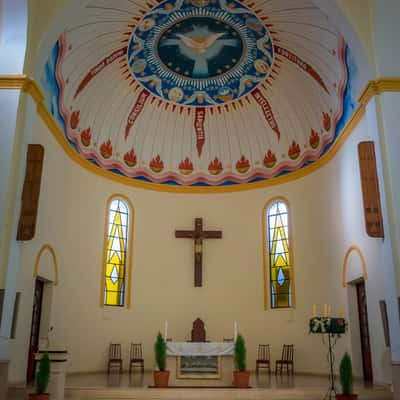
point(135, 387)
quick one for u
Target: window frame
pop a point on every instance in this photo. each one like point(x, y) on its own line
point(266, 255)
point(128, 255)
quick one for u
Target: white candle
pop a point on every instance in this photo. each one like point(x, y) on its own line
point(314, 310)
point(235, 332)
point(165, 330)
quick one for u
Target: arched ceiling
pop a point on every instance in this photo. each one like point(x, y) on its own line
point(199, 92)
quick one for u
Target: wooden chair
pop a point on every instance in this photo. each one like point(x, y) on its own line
point(287, 359)
point(114, 356)
point(136, 359)
point(264, 358)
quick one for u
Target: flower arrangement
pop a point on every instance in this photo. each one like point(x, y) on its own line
point(333, 325)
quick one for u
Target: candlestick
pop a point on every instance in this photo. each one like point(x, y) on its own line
point(314, 310)
point(341, 313)
point(325, 310)
point(165, 330)
point(235, 331)
point(329, 310)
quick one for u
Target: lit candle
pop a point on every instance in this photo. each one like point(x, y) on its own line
point(165, 330)
point(235, 332)
point(325, 310)
point(314, 310)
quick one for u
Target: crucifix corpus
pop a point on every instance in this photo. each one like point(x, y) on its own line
point(198, 235)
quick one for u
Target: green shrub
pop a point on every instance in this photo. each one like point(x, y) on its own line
point(43, 374)
point(346, 374)
point(160, 351)
point(240, 353)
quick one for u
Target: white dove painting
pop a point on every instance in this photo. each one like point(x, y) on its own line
point(200, 47)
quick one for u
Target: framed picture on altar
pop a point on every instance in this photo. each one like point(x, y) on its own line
point(198, 367)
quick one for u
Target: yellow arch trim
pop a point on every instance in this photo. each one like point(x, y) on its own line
point(28, 85)
point(130, 247)
point(49, 248)
point(266, 265)
point(350, 250)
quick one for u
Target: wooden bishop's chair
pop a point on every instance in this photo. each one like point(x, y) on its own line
point(198, 331)
point(114, 357)
point(263, 358)
point(136, 359)
point(287, 359)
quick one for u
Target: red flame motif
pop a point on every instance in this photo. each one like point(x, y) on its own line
point(106, 149)
point(215, 167)
point(74, 121)
point(156, 164)
point(86, 136)
point(186, 166)
point(243, 165)
point(327, 121)
point(314, 139)
point(130, 158)
point(294, 150)
point(269, 159)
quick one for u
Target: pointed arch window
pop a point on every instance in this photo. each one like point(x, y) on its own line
point(117, 252)
point(279, 255)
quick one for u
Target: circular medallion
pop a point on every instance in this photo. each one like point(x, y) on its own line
point(200, 53)
point(200, 47)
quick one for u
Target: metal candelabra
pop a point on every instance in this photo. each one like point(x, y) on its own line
point(332, 339)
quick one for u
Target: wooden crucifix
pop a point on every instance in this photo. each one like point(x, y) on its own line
point(198, 235)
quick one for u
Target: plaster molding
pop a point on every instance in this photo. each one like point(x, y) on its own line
point(29, 86)
point(350, 250)
point(49, 248)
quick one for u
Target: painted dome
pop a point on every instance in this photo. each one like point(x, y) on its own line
point(199, 92)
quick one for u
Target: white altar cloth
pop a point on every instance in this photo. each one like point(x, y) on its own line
point(200, 348)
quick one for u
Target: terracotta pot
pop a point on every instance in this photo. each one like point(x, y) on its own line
point(241, 378)
point(42, 396)
point(161, 378)
point(346, 397)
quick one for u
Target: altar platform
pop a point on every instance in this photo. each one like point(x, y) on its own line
point(100, 386)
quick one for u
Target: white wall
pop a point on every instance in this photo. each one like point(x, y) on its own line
point(327, 218)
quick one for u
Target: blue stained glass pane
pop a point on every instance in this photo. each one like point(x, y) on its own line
point(114, 275)
point(281, 277)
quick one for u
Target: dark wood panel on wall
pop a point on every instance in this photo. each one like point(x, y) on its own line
point(385, 321)
point(370, 189)
point(30, 192)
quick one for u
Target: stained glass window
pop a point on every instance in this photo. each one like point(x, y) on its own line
point(279, 255)
point(116, 253)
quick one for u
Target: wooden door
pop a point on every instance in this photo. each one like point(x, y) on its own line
point(364, 331)
point(35, 329)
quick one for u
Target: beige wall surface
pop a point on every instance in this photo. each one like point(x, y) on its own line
point(326, 217)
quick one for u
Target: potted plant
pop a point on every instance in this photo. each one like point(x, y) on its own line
point(161, 376)
point(240, 375)
point(42, 379)
point(346, 379)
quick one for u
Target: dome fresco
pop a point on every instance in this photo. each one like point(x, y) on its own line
point(200, 92)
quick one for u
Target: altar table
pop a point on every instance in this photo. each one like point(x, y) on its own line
point(184, 354)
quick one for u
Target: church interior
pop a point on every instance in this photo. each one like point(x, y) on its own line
point(203, 187)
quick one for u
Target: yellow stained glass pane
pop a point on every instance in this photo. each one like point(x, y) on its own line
point(279, 255)
point(115, 257)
